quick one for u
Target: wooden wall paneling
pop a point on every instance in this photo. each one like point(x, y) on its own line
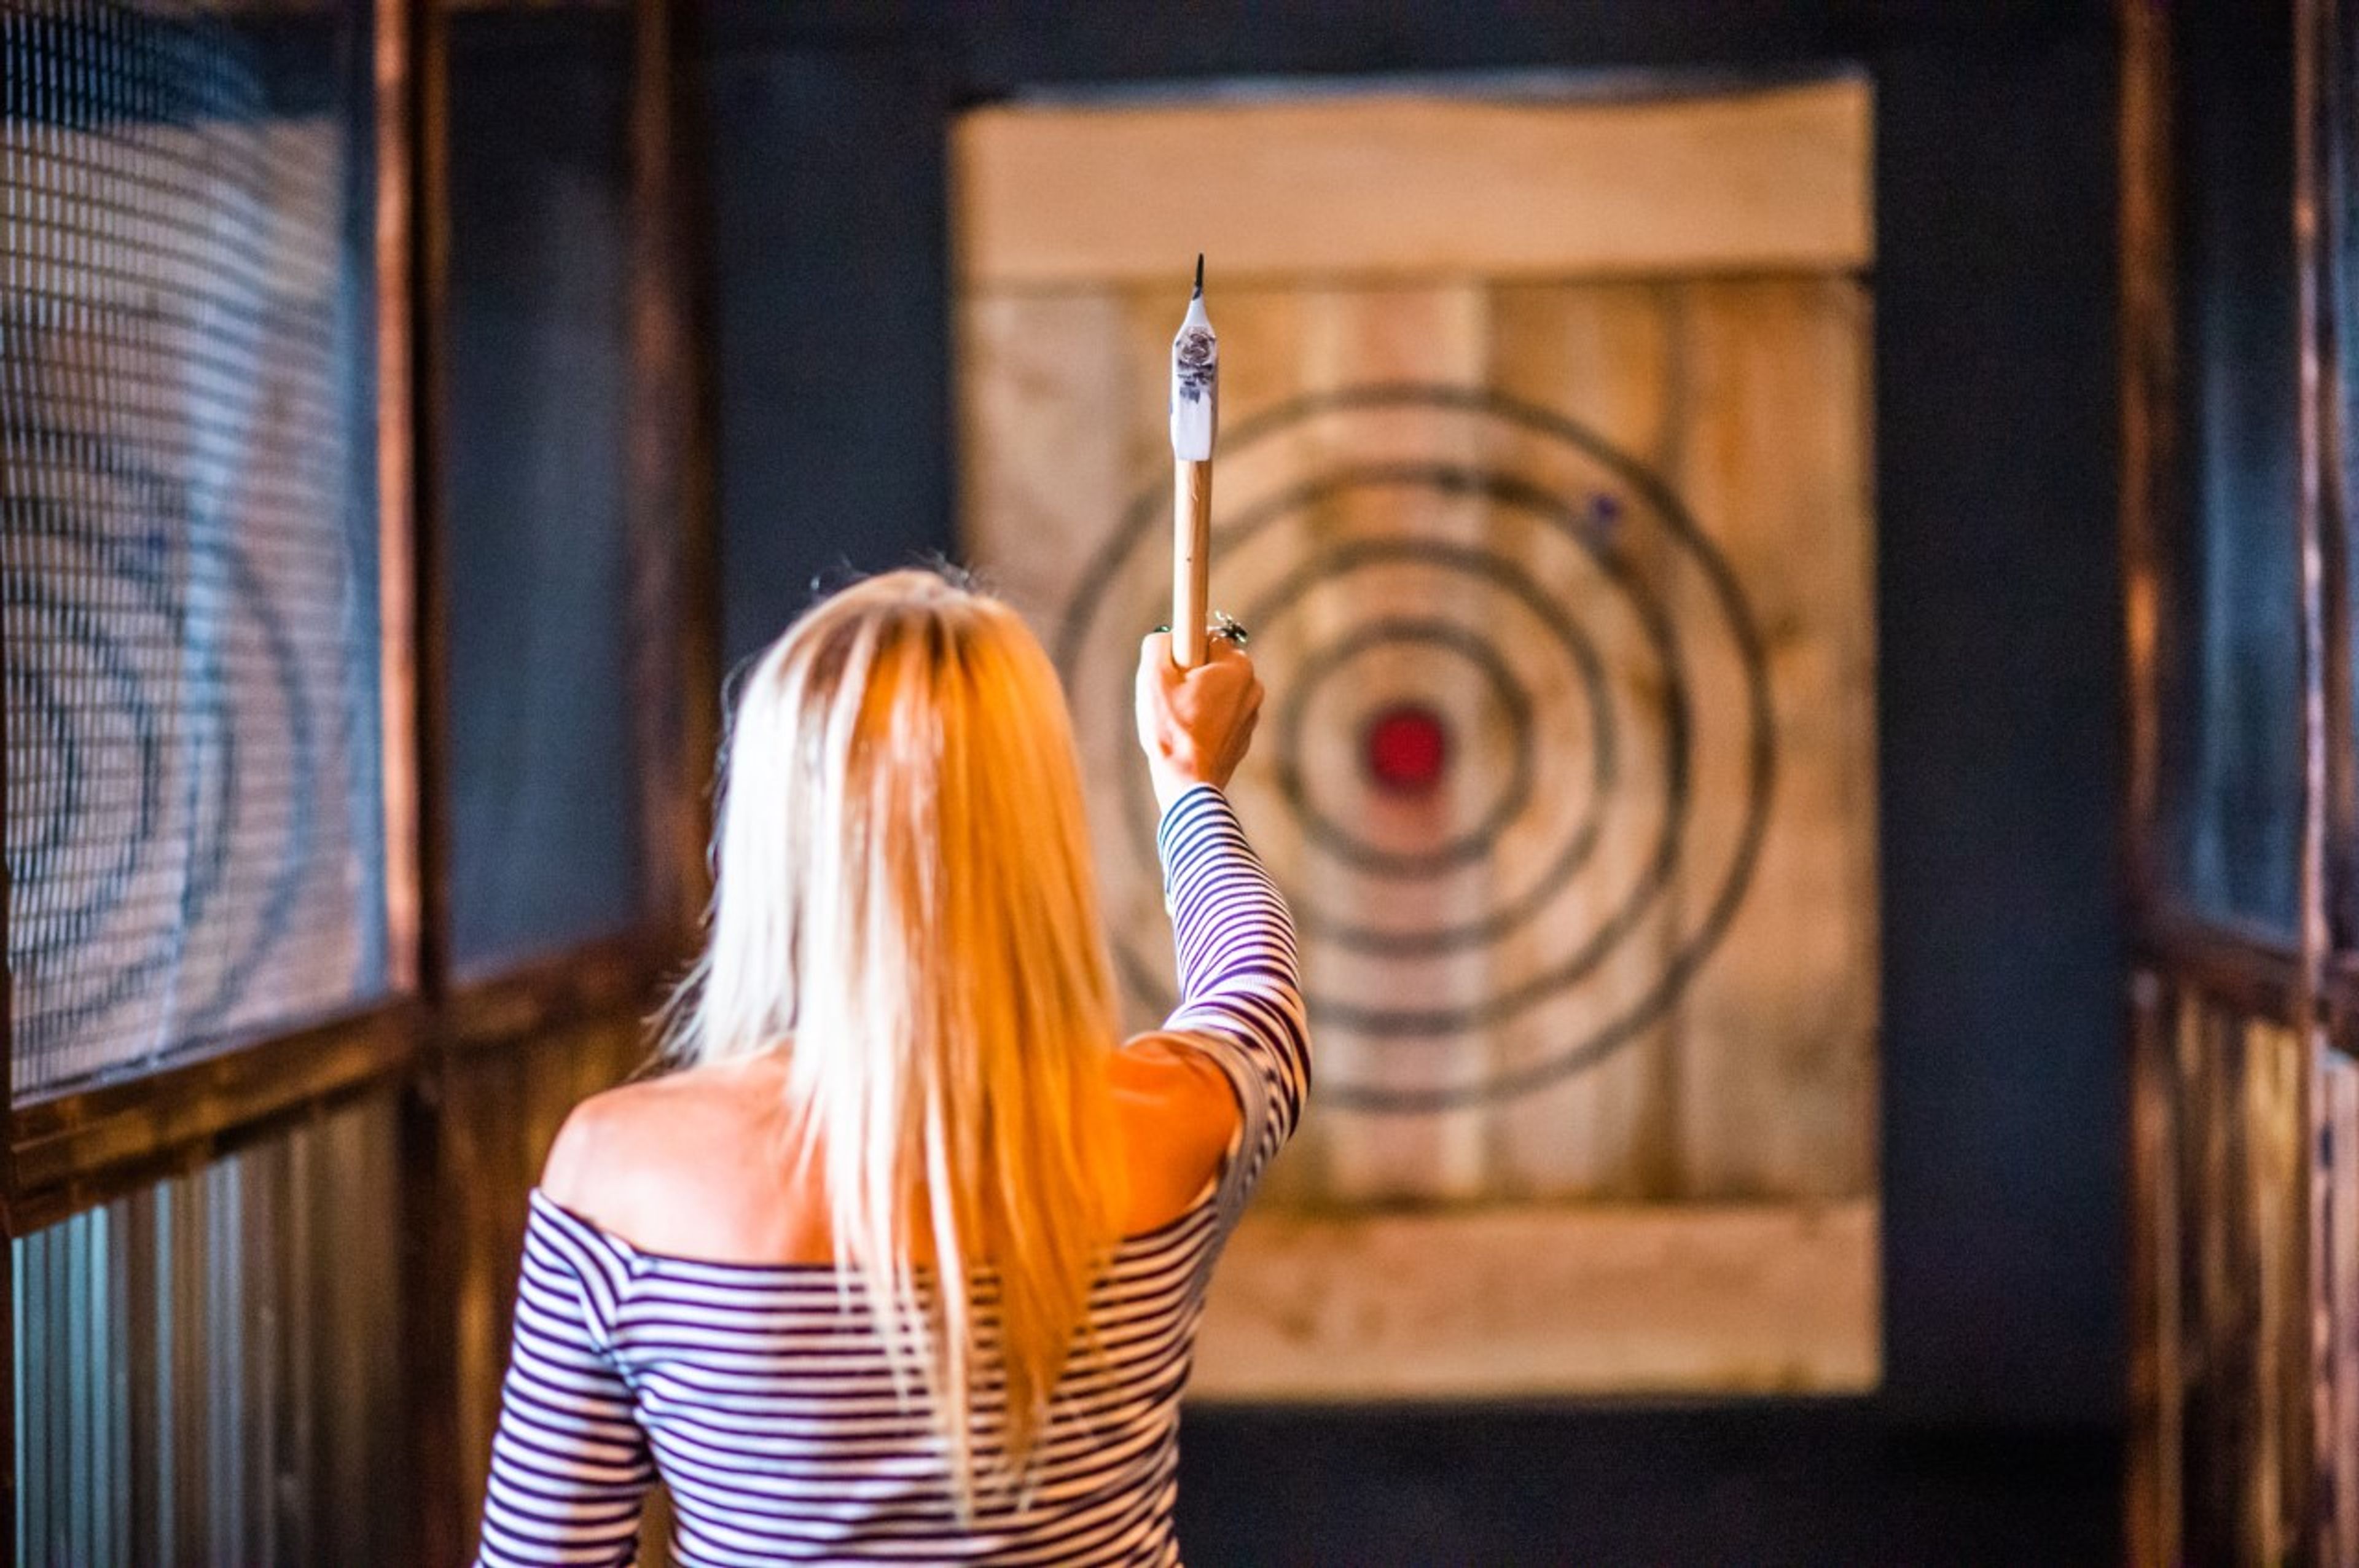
point(2153, 1462)
point(2243, 1304)
point(2209, 1488)
point(356, 1162)
point(501, 1110)
point(2278, 1107)
point(2336, 1407)
point(2239, 1243)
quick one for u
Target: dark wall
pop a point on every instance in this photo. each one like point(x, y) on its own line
point(542, 807)
point(1999, 630)
point(832, 319)
point(1996, 451)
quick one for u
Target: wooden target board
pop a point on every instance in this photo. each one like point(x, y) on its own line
point(1554, 539)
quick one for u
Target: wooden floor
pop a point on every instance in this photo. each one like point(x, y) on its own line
point(1815, 1484)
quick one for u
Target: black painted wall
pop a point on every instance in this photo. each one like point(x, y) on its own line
point(1999, 624)
point(543, 810)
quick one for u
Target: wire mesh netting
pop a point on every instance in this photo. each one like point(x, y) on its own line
point(187, 526)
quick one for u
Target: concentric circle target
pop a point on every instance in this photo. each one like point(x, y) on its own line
point(1522, 745)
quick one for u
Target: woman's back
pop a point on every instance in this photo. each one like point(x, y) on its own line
point(709, 1162)
point(773, 1416)
point(687, 1320)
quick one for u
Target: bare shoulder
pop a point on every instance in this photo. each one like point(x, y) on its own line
point(596, 1134)
point(629, 1158)
point(1180, 1113)
point(607, 1132)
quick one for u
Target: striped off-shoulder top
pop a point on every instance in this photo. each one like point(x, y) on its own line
point(769, 1410)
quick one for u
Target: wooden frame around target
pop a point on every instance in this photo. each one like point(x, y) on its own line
point(1544, 495)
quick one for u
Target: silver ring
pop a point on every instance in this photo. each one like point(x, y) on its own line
point(1223, 626)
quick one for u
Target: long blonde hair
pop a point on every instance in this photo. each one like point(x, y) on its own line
point(905, 904)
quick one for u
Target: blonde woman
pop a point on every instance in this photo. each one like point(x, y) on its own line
point(904, 1262)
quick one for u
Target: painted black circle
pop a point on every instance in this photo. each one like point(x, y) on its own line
point(1144, 523)
point(1574, 852)
point(1325, 663)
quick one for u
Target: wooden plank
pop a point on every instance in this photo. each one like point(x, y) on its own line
point(2244, 1483)
point(1774, 470)
point(2338, 1309)
point(1034, 370)
point(1775, 179)
point(2201, 1043)
point(1603, 354)
point(1350, 337)
point(2330, 847)
point(1539, 1300)
point(2153, 1460)
point(2277, 1110)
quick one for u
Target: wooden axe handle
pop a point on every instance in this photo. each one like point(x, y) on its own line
point(1191, 561)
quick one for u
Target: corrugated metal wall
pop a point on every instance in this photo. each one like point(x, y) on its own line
point(206, 1369)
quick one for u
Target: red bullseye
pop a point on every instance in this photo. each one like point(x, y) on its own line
point(1406, 747)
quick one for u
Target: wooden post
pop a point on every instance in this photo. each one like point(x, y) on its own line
point(8, 1222)
point(674, 623)
point(2153, 1467)
point(2330, 770)
point(413, 242)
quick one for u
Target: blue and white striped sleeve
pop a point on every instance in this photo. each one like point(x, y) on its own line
point(571, 1467)
point(1240, 983)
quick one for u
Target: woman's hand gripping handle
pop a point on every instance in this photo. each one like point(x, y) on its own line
point(1195, 725)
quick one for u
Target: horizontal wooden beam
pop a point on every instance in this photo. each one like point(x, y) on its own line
point(1569, 1300)
point(1407, 184)
point(2256, 974)
point(84, 1146)
point(618, 974)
